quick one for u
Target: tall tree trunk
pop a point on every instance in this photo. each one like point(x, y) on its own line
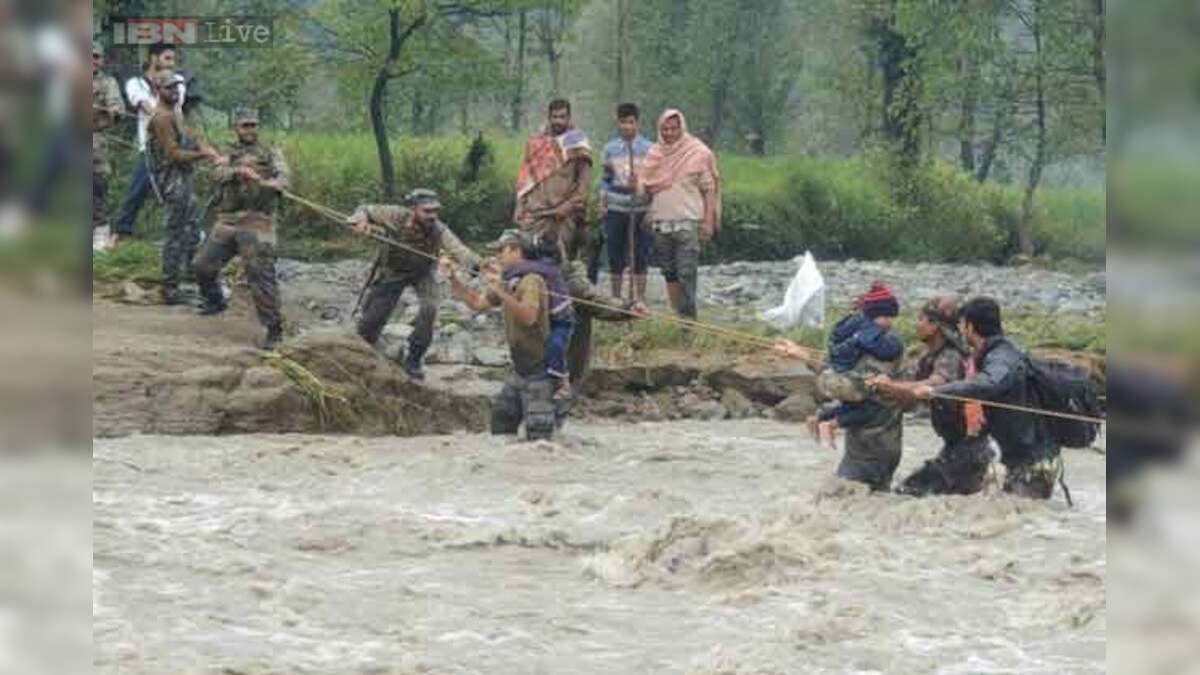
point(1100, 68)
point(990, 148)
point(387, 165)
point(621, 50)
point(1025, 228)
point(968, 112)
point(901, 108)
point(518, 100)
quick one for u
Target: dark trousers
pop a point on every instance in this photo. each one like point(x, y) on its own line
point(382, 300)
point(617, 228)
point(135, 195)
point(529, 401)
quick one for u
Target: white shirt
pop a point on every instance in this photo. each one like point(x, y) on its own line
point(139, 91)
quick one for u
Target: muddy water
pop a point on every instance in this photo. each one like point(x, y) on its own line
point(697, 548)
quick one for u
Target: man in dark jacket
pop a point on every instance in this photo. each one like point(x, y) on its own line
point(1027, 448)
point(962, 464)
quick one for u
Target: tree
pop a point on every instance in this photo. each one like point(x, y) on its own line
point(353, 31)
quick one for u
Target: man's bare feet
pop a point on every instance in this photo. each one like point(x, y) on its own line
point(814, 427)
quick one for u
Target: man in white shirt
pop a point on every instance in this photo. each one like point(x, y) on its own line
point(143, 96)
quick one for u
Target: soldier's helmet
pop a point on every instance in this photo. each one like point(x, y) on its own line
point(422, 197)
point(245, 115)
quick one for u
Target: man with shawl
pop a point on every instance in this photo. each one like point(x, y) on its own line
point(553, 184)
point(684, 184)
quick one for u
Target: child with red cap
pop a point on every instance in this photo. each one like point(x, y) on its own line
point(861, 346)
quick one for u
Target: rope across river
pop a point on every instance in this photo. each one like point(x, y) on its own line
point(732, 334)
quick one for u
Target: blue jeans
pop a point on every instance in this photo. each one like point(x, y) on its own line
point(556, 347)
point(135, 195)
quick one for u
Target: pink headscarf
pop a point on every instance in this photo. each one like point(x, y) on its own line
point(666, 165)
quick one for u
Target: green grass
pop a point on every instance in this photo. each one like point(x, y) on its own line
point(137, 261)
point(640, 340)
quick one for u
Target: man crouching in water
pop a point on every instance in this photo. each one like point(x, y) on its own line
point(528, 394)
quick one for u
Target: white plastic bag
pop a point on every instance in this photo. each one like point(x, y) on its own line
point(804, 302)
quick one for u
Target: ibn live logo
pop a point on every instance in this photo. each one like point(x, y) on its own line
point(244, 31)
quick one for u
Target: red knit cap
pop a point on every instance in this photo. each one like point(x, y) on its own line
point(880, 301)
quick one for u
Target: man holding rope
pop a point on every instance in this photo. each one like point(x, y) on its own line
point(961, 466)
point(528, 395)
point(1028, 449)
point(249, 181)
point(172, 156)
point(418, 226)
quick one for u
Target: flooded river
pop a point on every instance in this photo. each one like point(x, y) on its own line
point(699, 548)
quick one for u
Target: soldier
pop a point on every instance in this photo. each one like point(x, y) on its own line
point(416, 224)
point(106, 107)
point(961, 466)
point(250, 179)
point(172, 157)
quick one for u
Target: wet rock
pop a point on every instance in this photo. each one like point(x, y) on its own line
point(797, 408)
point(650, 378)
point(766, 383)
point(492, 357)
point(694, 407)
point(737, 404)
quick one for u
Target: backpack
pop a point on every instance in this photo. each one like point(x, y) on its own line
point(1061, 387)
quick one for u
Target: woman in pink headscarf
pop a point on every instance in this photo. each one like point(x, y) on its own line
point(684, 184)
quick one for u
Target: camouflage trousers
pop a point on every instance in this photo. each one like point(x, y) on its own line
point(381, 302)
point(959, 469)
point(257, 256)
point(181, 222)
point(529, 401)
point(873, 452)
point(1035, 480)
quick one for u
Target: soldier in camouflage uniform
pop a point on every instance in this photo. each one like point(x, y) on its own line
point(250, 179)
point(417, 225)
point(173, 154)
point(961, 466)
point(106, 106)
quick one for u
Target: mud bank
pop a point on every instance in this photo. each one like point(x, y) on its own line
point(695, 547)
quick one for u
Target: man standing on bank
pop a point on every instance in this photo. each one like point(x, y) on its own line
point(684, 184)
point(250, 179)
point(623, 211)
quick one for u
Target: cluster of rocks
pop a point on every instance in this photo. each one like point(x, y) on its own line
point(762, 285)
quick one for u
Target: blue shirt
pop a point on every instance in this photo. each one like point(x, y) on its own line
point(615, 184)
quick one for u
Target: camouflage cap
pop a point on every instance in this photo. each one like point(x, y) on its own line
point(943, 311)
point(244, 115)
point(423, 197)
point(97, 48)
point(510, 238)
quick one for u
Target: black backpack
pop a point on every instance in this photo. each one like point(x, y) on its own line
point(1063, 388)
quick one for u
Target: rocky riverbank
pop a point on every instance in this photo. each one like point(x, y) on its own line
point(165, 371)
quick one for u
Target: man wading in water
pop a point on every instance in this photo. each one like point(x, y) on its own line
point(528, 394)
point(961, 466)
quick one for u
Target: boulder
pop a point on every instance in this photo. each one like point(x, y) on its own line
point(765, 382)
point(797, 408)
point(737, 404)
